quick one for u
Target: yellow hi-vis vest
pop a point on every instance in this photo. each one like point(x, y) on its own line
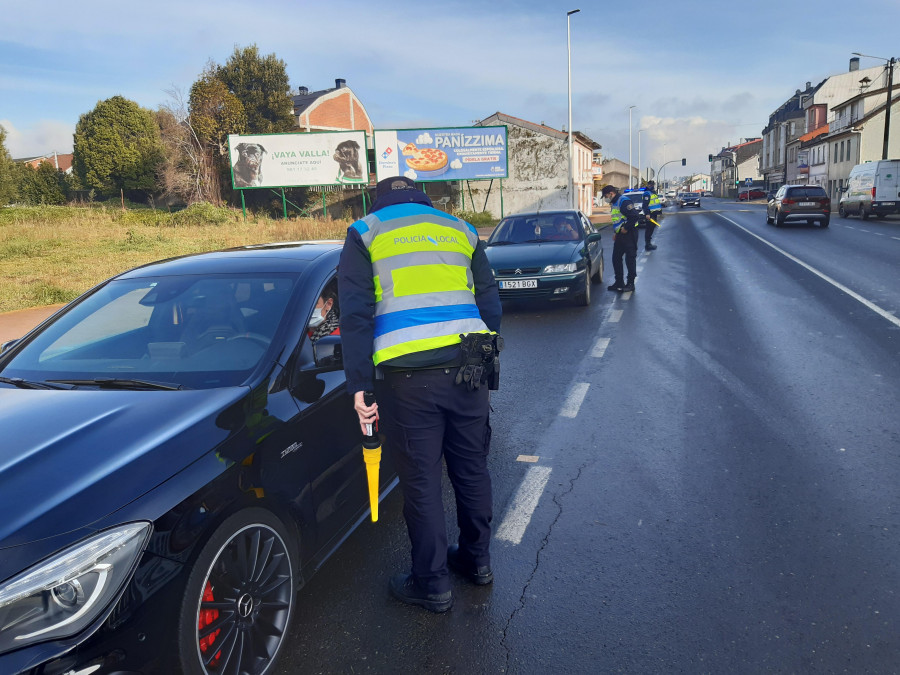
point(424, 288)
point(617, 218)
point(655, 204)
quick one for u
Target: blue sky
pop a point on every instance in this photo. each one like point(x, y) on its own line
point(701, 74)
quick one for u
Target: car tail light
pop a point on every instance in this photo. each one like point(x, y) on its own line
point(787, 201)
point(873, 192)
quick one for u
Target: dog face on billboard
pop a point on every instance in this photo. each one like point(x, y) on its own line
point(347, 156)
point(248, 167)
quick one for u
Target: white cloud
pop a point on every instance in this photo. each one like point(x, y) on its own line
point(42, 137)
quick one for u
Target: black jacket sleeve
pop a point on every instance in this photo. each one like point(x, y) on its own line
point(487, 297)
point(356, 297)
point(626, 208)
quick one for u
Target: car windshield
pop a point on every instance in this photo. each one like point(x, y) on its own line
point(805, 193)
point(182, 331)
point(690, 195)
point(536, 228)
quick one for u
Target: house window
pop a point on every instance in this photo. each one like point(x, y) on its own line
point(835, 152)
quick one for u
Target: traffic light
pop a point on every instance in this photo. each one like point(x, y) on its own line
point(710, 157)
point(683, 161)
point(737, 182)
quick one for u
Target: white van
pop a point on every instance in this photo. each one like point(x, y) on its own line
point(873, 188)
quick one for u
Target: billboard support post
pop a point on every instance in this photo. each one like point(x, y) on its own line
point(283, 203)
point(243, 206)
point(501, 198)
point(324, 207)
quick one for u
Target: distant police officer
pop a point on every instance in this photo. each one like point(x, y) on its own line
point(419, 303)
point(624, 222)
point(652, 207)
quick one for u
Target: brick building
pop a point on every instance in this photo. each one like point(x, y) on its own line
point(336, 109)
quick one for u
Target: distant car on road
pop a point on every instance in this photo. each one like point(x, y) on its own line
point(747, 195)
point(799, 202)
point(688, 199)
point(551, 255)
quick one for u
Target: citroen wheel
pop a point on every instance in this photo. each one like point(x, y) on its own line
point(239, 597)
point(583, 299)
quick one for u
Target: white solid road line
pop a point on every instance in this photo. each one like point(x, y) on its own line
point(853, 294)
point(615, 315)
point(516, 520)
point(600, 348)
point(573, 401)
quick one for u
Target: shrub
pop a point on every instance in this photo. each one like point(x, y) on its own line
point(483, 219)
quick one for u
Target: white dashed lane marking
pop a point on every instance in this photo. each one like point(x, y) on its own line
point(600, 348)
point(573, 401)
point(838, 285)
point(615, 315)
point(517, 517)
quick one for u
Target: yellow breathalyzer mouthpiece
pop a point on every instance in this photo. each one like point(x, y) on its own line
point(372, 458)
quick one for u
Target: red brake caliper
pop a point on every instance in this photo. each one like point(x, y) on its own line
point(207, 617)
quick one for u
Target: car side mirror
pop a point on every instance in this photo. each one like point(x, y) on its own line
point(328, 353)
point(594, 236)
point(7, 345)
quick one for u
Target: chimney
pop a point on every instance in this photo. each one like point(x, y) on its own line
point(854, 63)
point(808, 85)
point(302, 91)
point(340, 84)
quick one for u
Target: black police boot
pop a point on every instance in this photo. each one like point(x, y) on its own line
point(615, 287)
point(405, 589)
point(480, 576)
point(628, 287)
point(650, 247)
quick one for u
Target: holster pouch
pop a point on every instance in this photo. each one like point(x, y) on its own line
point(480, 360)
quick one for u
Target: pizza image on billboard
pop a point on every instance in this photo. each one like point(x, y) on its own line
point(462, 153)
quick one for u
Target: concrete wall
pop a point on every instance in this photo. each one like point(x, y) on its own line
point(538, 176)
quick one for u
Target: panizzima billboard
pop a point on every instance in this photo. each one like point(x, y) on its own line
point(460, 153)
point(298, 159)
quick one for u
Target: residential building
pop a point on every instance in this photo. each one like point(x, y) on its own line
point(786, 141)
point(616, 172)
point(62, 161)
point(538, 162)
point(336, 109)
point(733, 164)
point(856, 135)
point(786, 124)
point(698, 182)
point(814, 154)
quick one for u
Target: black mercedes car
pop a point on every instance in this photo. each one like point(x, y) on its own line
point(553, 255)
point(179, 456)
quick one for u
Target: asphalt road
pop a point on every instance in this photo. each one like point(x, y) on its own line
point(717, 486)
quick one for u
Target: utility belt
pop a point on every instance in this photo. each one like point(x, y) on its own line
point(480, 360)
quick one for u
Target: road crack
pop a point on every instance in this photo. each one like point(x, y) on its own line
point(557, 499)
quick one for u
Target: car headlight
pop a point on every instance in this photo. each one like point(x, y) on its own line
point(559, 269)
point(65, 593)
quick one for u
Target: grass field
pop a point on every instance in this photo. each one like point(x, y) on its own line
point(50, 255)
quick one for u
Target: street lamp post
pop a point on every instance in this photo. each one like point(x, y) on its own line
point(572, 202)
point(629, 145)
point(887, 111)
point(640, 131)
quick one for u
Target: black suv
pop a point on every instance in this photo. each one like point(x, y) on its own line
point(799, 202)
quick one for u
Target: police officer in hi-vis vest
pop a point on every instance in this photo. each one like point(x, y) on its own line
point(420, 313)
point(652, 207)
point(624, 224)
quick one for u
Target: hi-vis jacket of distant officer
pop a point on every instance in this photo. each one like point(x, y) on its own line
point(419, 302)
point(652, 207)
point(624, 221)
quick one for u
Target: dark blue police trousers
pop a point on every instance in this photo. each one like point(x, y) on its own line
point(424, 416)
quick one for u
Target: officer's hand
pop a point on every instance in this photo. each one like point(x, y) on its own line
point(368, 414)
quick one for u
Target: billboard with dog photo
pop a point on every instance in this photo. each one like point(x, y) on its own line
point(295, 160)
point(462, 153)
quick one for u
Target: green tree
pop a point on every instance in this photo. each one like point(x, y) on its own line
point(261, 84)
point(215, 112)
point(43, 185)
point(117, 147)
point(9, 173)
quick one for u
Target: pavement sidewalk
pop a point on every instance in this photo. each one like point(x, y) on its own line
point(14, 325)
